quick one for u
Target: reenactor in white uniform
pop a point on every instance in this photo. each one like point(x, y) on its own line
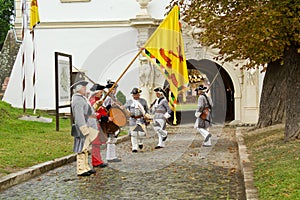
point(139, 110)
point(162, 112)
point(203, 115)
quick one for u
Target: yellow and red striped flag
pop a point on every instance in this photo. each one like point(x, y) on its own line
point(165, 48)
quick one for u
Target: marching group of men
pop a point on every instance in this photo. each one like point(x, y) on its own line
point(91, 115)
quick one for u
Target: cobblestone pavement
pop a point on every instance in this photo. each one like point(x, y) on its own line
point(182, 170)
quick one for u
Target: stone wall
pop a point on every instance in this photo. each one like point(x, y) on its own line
point(8, 56)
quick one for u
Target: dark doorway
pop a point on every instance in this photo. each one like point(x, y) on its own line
point(222, 90)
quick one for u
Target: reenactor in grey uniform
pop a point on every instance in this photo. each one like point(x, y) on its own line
point(203, 121)
point(138, 109)
point(85, 118)
point(162, 112)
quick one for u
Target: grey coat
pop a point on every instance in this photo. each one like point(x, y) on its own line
point(161, 106)
point(82, 110)
point(135, 111)
point(203, 103)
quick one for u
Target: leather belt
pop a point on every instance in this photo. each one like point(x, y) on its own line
point(160, 111)
point(137, 117)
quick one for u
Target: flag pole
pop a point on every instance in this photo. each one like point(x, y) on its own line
point(34, 72)
point(24, 29)
point(34, 20)
point(98, 104)
point(116, 82)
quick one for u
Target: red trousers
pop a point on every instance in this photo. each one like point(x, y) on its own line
point(96, 156)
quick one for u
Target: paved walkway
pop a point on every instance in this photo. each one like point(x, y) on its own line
point(182, 170)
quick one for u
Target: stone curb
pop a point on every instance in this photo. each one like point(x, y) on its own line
point(24, 175)
point(246, 167)
point(31, 172)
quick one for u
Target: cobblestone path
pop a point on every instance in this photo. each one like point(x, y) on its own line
point(182, 170)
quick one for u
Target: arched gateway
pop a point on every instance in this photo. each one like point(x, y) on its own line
point(104, 36)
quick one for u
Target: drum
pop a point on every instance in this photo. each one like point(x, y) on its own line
point(118, 115)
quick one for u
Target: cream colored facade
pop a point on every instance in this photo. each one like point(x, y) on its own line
point(103, 35)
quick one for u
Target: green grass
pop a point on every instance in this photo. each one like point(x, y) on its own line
point(276, 164)
point(27, 143)
point(187, 106)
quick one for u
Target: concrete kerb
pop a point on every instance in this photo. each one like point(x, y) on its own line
point(24, 175)
point(246, 167)
point(36, 170)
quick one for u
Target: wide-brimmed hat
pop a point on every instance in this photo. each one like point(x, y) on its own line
point(80, 82)
point(96, 87)
point(201, 88)
point(136, 91)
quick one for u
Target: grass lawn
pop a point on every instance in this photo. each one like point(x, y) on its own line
point(276, 163)
point(187, 106)
point(27, 143)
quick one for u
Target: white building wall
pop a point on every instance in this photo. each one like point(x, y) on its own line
point(103, 36)
point(98, 35)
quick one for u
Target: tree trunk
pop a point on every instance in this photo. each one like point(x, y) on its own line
point(272, 101)
point(292, 65)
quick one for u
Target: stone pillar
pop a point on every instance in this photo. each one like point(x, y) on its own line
point(149, 76)
point(251, 96)
point(18, 19)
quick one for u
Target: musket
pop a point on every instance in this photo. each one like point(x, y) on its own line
point(98, 103)
point(83, 74)
point(214, 79)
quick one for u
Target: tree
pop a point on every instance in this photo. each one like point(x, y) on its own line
point(263, 32)
point(121, 97)
point(6, 12)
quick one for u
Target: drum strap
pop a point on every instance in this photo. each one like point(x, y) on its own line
point(137, 117)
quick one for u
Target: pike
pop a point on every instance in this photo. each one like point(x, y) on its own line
point(83, 74)
point(214, 79)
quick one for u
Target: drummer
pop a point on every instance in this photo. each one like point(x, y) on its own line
point(110, 101)
point(101, 115)
point(138, 109)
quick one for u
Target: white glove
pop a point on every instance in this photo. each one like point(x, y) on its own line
point(167, 115)
point(84, 130)
point(197, 114)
